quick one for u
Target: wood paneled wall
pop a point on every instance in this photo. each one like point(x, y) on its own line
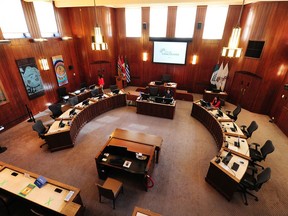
point(266, 21)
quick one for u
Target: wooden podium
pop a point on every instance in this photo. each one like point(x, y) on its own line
point(121, 82)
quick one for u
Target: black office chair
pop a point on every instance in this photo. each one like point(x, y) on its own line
point(166, 78)
point(257, 155)
point(95, 92)
point(83, 85)
point(62, 93)
point(73, 101)
point(56, 110)
point(153, 90)
point(41, 130)
point(235, 113)
point(252, 182)
point(6, 199)
point(249, 131)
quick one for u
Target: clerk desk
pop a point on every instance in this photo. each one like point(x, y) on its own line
point(224, 177)
point(59, 138)
point(46, 200)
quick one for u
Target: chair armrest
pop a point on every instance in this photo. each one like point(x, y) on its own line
point(254, 144)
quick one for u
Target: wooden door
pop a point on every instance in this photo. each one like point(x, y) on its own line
point(244, 89)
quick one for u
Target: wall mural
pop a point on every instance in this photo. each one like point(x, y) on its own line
point(60, 70)
point(31, 77)
point(3, 98)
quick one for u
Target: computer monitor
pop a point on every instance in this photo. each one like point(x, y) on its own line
point(82, 89)
point(158, 82)
point(167, 100)
point(92, 86)
point(159, 99)
point(61, 124)
point(85, 102)
point(220, 113)
point(145, 96)
point(116, 150)
point(72, 112)
point(116, 91)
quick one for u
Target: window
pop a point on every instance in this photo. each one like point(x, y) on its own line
point(12, 19)
point(158, 21)
point(133, 22)
point(185, 21)
point(46, 18)
point(215, 22)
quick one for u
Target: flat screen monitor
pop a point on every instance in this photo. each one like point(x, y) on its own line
point(169, 52)
point(85, 102)
point(144, 96)
point(116, 91)
point(82, 89)
point(167, 100)
point(92, 86)
point(116, 150)
point(159, 99)
point(72, 112)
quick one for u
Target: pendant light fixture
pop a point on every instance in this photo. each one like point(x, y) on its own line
point(232, 50)
point(97, 40)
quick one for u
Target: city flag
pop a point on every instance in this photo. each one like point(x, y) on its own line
point(224, 76)
point(127, 70)
point(219, 75)
point(214, 74)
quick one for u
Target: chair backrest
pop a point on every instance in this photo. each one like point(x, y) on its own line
point(73, 101)
point(55, 109)
point(95, 92)
point(236, 111)
point(83, 85)
point(113, 87)
point(263, 177)
point(108, 193)
point(153, 90)
point(39, 128)
point(166, 78)
point(61, 92)
point(252, 127)
point(267, 148)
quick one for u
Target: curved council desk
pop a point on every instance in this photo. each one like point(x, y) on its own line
point(59, 138)
point(228, 136)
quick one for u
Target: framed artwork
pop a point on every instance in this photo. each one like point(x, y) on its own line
point(31, 77)
point(60, 70)
point(3, 97)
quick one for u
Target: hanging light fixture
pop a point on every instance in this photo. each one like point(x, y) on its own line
point(232, 50)
point(97, 39)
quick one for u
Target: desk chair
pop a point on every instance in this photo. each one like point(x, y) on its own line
point(83, 85)
point(73, 101)
point(153, 91)
point(6, 200)
point(41, 130)
point(249, 131)
point(110, 189)
point(95, 92)
point(235, 113)
point(252, 182)
point(62, 93)
point(56, 110)
point(257, 155)
point(166, 78)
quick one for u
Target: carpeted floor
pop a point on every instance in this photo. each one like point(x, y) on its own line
point(180, 187)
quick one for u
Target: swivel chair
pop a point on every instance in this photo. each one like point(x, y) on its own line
point(62, 93)
point(235, 113)
point(166, 78)
point(258, 155)
point(6, 199)
point(252, 182)
point(56, 110)
point(95, 92)
point(153, 90)
point(249, 131)
point(83, 85)
point(41, 130)
point(73, 101)
point(110, 189)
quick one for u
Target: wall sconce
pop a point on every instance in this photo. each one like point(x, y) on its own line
point(66, 38)
point(145, 56)
point(194, 59)
point(44, 64)
point(39, 40)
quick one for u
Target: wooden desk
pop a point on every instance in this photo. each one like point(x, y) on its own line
point(61, 138)
point(143, 212)
point(81, 96)
point(141, 168)
point(155, 109)
point(219, 175)
point(163, 88)
point(138, 137)
point(15, 181)
point(210, 95)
